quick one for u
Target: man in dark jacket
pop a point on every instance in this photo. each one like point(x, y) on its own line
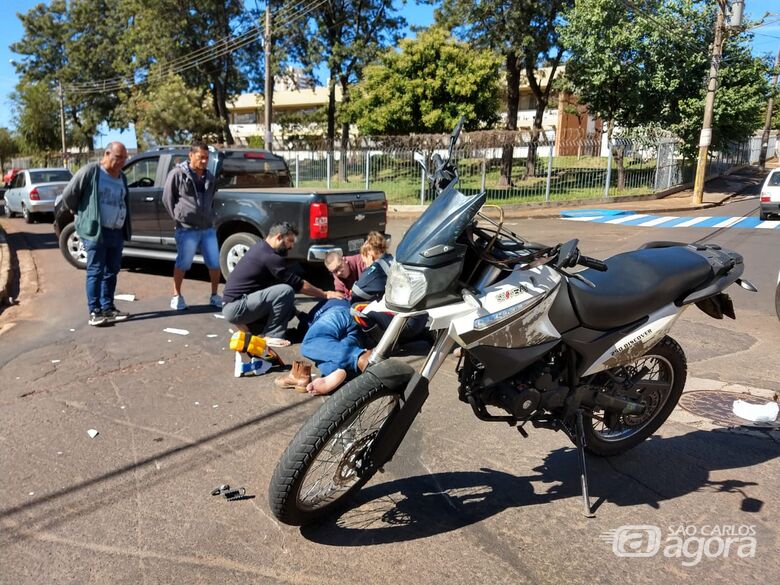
point(99, 197)
point(188, 197)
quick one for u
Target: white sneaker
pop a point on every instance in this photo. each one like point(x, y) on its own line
point(178, 304)
point(215, 301)
point(254, 367)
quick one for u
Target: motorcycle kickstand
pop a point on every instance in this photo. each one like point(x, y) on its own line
point(580, 434)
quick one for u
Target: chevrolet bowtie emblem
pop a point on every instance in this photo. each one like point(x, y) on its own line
point(360, 217)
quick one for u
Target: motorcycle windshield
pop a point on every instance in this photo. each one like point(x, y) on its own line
point(432, 238)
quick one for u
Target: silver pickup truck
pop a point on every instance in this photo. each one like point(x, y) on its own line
point(254, 193)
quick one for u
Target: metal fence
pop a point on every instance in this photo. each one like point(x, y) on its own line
point(567, 169)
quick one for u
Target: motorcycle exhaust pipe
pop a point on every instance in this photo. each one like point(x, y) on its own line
point(618, 404)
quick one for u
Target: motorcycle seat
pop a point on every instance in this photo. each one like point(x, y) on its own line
point(636, 284)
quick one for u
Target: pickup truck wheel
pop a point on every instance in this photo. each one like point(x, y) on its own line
point(72, 248)
point(233, 249)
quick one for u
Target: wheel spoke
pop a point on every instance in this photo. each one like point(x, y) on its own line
point(335, 469)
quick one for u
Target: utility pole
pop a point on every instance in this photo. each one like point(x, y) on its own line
point(62, 123)
point(769, 108)
point(705, 138)
point(268, 77)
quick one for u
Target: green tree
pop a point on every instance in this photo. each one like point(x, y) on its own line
point(195, 40)
point(75, 47)
point(427, 85)
point(644, 64)
point(169, 112)
point(37, 117)
point(348, 35)
point(525, 33)
point(8, 147)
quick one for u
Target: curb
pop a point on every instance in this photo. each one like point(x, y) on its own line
point(5, 268)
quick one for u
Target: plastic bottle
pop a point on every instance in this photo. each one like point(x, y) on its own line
point(248, 343)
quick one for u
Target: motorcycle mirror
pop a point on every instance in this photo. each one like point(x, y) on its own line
point(419, 157)
point(454, 136)
point(566, 253)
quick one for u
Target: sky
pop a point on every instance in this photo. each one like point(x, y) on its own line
point(766, 41)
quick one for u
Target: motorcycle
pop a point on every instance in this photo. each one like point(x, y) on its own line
point(586, 353)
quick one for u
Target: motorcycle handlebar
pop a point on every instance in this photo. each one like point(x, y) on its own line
point(589, 262)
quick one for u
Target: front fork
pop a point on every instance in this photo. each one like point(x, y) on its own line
point(441, 348)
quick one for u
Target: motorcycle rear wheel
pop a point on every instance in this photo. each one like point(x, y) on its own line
point(667, 371)
point(326, 463)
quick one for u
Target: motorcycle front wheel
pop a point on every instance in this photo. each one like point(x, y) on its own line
point(328, 459)
point(663, 372)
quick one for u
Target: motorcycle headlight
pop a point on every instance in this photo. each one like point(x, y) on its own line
point(405, 288)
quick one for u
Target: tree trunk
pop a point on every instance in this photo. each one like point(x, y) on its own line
point(533, 147)
point(220, 108)
point(331, 128)
point(512, 102)
point(619, 155)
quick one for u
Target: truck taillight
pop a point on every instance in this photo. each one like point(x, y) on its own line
point(34, 195)
point(765, 198)
point(318, 220)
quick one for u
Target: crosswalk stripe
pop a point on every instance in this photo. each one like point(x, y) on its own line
point(626, 218)
point(692, 221)
point(728, 222)
point(672, 221)
point(657, 221)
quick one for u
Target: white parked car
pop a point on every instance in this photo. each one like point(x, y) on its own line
point(33, 191)
point(770, 195)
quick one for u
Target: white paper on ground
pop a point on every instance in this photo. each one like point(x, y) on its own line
point(756, 412)
point(212, 335)
point(92, 433)
point(176, 331)
point(124, 297)
point(218, 316)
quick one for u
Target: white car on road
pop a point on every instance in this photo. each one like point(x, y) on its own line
point(33, 191)
point(770, 195)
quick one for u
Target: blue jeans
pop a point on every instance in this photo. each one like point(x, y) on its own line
point(334, 342)
point(189, 240)
point(104, 259)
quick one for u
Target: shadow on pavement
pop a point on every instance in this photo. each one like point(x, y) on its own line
point(653, 472)
point(31, 241)
point(85, 497)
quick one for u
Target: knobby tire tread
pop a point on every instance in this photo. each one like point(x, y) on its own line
point(308, 441)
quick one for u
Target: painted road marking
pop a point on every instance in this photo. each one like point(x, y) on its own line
point(669, 221)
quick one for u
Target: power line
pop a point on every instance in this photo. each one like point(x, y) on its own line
point(221, 48)
point(195, 57)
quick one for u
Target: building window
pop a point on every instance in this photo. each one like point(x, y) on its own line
point(245, 118)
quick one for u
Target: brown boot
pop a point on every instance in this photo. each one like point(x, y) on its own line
point(297, 378)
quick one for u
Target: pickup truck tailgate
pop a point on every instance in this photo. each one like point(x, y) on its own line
point(352, 214)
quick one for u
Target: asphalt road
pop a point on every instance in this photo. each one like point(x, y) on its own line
point(462, 502)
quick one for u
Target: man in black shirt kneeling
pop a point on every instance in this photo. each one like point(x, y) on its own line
point(259, 296)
